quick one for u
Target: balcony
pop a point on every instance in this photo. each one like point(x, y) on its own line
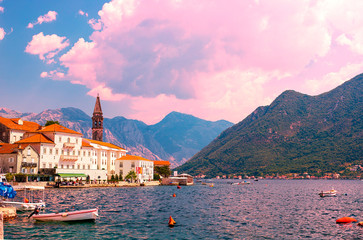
point(69, 145)
point(28, 165)
point(68, 158)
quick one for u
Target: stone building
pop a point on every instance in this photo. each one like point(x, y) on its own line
point(97, 121)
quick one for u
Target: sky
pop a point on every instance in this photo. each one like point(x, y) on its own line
point(212, 59)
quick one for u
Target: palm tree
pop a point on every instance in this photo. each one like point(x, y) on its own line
point(131, 175)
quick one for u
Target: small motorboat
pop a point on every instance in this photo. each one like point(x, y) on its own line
point(32, 197)
point(81, 215)
point(330, 193)
point(241, 183)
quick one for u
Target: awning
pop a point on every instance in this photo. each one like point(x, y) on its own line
point(66, 175)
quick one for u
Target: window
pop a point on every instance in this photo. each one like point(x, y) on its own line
point(62, 166)
point(121, 164)
point(32, 170)
point(50, 151)
point(68, 140)
point(11, 169)
point(84, 166)
point(56, 151)
point(60, 139)
point(44, 150)
point(23, 170)
point(43, 165)
point(72, 166)
point(62, 152)
point(67, 166)
point(50, 165)
point(11, 159)
point(132, 164)
point(89, 167)
point(76, 140)
point(32, 160)
point(29, 151)
point(79, 166)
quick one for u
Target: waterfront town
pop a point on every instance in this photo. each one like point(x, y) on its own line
point(54, 150)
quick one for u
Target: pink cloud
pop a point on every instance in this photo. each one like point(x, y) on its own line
point(2, 9)
point(49, 17)
point(55, 75)
point(2, 33)
point(46, 46)
point(215, 59)
point(80, 12)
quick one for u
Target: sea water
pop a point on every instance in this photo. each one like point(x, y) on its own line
point(265, 209)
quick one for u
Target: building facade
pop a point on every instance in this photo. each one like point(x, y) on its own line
point(144, 168)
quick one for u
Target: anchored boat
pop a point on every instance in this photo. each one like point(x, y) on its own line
point(330, 193)
point(33, 197)
point(81, 215)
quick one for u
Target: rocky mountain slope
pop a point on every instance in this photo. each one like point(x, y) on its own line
point(176, 138)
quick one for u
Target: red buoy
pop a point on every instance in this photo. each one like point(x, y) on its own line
point(178, 187)
point(174, 195)
point(171, 221)
point(346, 220)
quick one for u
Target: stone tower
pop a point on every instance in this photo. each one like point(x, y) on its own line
point(97, 121)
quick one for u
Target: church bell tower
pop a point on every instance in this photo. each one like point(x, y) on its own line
point(97, 121)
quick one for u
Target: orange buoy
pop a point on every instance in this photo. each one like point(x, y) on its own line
point(346, 220)
point(360, 224)
point(174, 195)
point(178, 187)
point(171, 221)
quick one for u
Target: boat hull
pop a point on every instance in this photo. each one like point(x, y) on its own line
point(82, 215)
point(24, 206)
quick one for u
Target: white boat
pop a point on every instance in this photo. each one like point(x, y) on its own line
point(241, 183)
point(30, 197)
point(330, 193)
point(82, 215)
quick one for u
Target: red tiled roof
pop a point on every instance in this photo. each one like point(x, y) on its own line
point(163, 163)
point(132, 157)
point(85, 143)
point(12, 123)
point(37, 138)
point(8, 148)
point(110, 145)
point(58, 128)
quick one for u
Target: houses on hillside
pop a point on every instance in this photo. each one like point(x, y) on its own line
point(26, 147)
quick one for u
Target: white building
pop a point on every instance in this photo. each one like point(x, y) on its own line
point(62, 150)
point(143, 167)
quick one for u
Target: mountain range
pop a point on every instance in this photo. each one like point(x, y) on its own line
point(175, 138)
point(297, 133)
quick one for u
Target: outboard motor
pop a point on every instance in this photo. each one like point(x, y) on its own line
point(36, 211)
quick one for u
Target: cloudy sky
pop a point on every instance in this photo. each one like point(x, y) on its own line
point(213, 59)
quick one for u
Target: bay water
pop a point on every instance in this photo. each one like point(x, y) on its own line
point(265, 209)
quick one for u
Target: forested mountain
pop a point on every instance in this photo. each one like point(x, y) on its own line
point(297, 133)
point(176, 138)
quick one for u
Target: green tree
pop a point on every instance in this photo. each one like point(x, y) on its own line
point(163, 171)
point(131, 175)
point(116, 178)
point(50, 122)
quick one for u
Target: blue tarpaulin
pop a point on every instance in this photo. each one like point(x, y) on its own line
point(6, 190)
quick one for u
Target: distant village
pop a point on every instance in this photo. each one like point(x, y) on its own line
point(355, 170)
point(54, 150)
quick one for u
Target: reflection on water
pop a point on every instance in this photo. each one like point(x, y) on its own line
point(267, 209)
